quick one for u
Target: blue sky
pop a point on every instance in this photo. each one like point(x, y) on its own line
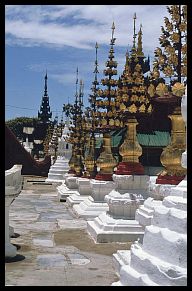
point(60, 38)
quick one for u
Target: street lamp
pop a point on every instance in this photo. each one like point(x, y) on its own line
point(28, 130)
point(37, 142)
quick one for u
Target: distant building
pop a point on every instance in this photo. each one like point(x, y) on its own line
point(44, 116)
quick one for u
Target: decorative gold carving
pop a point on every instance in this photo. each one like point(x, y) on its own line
point(111, 122)
point(130, 150)
point(161, 89)
point(89, 161)
point(178, 89)
point(106, 161)
point(132, 108)
point(142, 108)
point(171, 155)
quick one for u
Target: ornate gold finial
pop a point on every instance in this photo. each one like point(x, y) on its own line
point(139, 46)
point(127, 58)
point(113, 28)
point(134, 34)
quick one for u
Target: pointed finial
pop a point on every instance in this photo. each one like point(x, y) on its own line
point(134, 34)
point(96, 63)
point(113, 28)
point(76, 94)
point(127, 58)
point(139, 46)
point(77, 76)
point(45, 88)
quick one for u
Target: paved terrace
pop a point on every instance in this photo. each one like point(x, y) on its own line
point(54, 248)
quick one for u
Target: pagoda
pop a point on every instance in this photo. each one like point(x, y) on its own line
point(76, 138)
point(90, 159)
point(132, 103)
point(43, 122)
point(107, 115)
point(45, 114)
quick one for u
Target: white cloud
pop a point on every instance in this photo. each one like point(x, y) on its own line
point(80, 26)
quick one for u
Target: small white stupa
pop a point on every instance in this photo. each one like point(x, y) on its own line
point(118, 224)
point(61, 165)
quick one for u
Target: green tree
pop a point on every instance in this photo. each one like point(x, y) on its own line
point(16, 125)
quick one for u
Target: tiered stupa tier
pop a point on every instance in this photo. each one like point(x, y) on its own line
point(107, 120)
point(132, 102)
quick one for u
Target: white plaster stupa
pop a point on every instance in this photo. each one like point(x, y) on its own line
point(61, 165)
point(118, 224)
point(95, 203)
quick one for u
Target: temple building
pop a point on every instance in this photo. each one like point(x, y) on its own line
point(44, 116)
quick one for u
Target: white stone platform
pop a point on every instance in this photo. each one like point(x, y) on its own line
point(162, 258)
point(13, 186)
point(137, 184)
point(57, 170)
point(105, 228)
point(118, 224)
point(67, 188)
point(88, 209)
point(84, 190)
point(95, 204)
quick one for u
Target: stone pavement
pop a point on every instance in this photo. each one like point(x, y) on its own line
point(54, 248)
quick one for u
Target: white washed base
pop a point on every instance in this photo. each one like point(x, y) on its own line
point(121, 258)
point(162, 258)
point(143, 269)
point(89, 209)
point(105, 228)
point(56, 181)
point(137, 184)
point(76, 199)
point(10, 250)
point(144, 213)
point(63, 192)
point(11, 231)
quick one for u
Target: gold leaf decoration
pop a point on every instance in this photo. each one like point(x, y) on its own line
point(178, 89)
point(151, 90)
point(149, 108)
point(142, 108)
point(132, 108)
point(161, 89)
point(175, 37)
point(104, 122)
point(111, 122)
point(117, 122)
point(122, 106)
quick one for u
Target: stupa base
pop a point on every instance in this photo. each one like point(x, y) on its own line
point(168, 179)
point(129, 168)
point(104, 177)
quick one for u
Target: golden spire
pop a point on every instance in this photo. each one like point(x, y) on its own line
point(134, 35)
point(139, 46)
point(76, 94)
point(127, 58)
point(113, 28)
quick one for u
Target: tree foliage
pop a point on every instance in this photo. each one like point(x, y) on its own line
point(16, 125)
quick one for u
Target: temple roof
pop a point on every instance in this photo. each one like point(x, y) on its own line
point(157, 139)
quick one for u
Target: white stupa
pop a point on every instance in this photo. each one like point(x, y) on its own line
point(61, 165)
point(161, 260)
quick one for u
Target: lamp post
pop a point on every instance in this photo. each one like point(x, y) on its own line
point(28, 130)
point(37, 142)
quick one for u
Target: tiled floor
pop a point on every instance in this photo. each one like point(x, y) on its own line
point(54, 248)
